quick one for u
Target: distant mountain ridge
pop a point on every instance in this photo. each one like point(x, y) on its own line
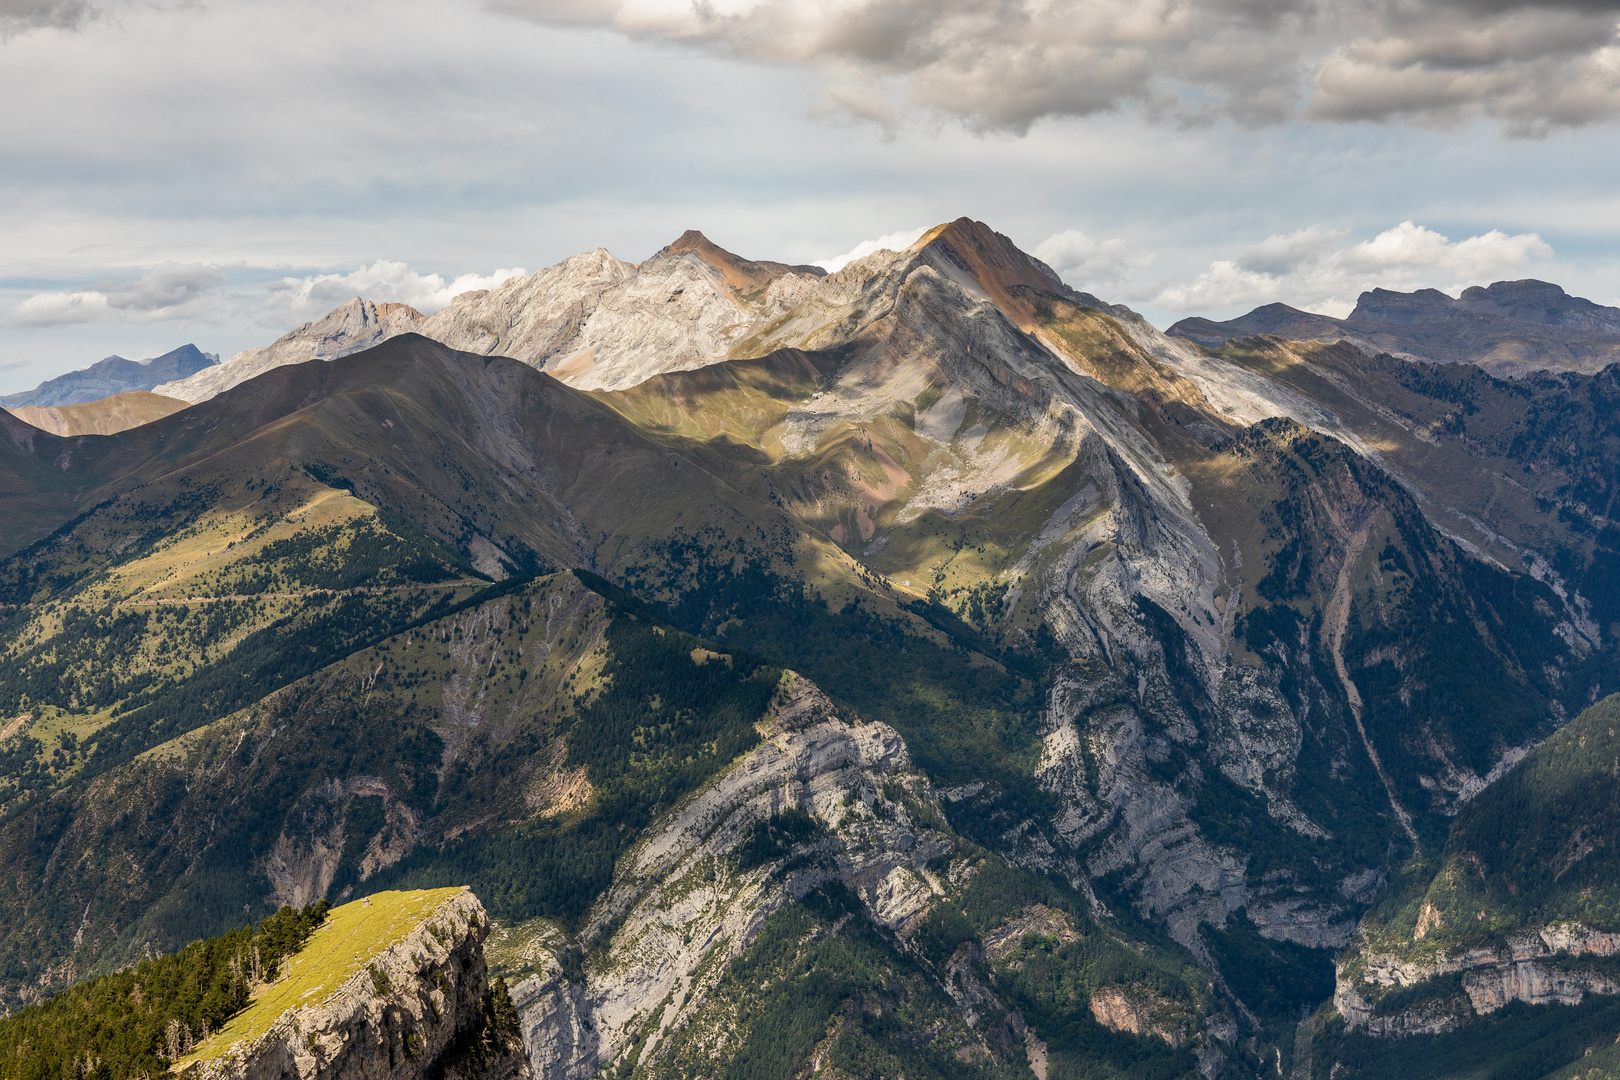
point(592, 320)
point(108, 415)
point(1508, 328)
point(114, 375)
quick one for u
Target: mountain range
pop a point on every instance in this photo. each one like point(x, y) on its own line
point(114, 375)
point(1510, 328)
point(921, 669)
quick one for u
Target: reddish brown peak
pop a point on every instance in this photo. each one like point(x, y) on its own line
point(743, 276)
point(385, 310)
point(1008, 276)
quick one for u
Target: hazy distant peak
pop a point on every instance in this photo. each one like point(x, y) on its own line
point(1508, 327)
point(114, 375)
point(1542, 302)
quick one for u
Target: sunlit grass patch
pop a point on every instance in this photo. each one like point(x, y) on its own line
point(351, 937)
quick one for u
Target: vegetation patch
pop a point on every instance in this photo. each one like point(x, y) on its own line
point(138, 1022)
point(347, 942)
point(1279, 980)
point(1519, 1042)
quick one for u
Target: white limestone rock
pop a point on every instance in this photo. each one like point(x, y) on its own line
point(357, 324)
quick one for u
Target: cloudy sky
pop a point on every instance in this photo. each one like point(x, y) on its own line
point(189, 170)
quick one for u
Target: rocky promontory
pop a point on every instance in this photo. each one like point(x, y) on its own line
point(392, 986)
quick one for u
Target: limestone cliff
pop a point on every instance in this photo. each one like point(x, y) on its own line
point(1552, 965)
point(419, 1007)
point(827, 806)
point(681, 906)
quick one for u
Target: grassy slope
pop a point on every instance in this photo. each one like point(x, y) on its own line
point(108, 416)
point(351, 937)
point(519, 745)
point(242, 502)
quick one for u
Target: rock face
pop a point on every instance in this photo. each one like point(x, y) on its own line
point(417, 1010)
point(114, 375)
point(680, 909)
point(601, 324)
point(357, 324)
point(1118, 1011)
point(1551, 966)
point(698, 899)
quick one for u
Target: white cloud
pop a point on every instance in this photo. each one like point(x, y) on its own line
point(895, 241)
point(1306, 269)
point(1282, 252)
point(60, 308)
point(193, 291)
point(166, 291)
point(295, 300)
point(1094, 266)
point(1003, 65)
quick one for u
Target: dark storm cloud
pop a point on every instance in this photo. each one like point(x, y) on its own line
point(1005, 64)
point(17, 16)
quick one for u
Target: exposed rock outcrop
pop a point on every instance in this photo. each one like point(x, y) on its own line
point(681, 907)
point(1139, 1014)
point(416, 1009)
point(355, 325)
point(601, 324)
point(1537, 967)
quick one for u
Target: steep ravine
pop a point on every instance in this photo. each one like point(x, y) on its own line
point(827, 812)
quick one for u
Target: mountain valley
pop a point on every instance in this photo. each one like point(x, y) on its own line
point(921, 669)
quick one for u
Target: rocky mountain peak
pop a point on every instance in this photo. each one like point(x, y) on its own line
point(385, 310)
point(1387, 306)
point(353, 325)
point(1533, 301)
point(1509, 327)
point(993, 265)
point(114, 375)
point(744, 276)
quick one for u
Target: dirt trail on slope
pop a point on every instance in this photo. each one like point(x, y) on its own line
point(359, 590)
point(1338, 618)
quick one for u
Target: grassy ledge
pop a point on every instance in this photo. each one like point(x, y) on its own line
point(351, 937)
